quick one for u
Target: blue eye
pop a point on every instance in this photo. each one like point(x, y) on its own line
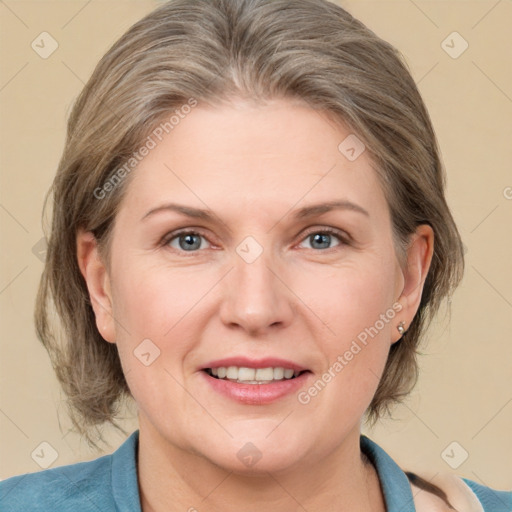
point(323, 239)
point(188, 241)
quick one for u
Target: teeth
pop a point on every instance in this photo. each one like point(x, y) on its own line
point(232, 372)
point(263, 374)
point(253, 375)
point(278, 373)
point(247, 374)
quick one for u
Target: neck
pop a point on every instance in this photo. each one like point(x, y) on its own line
point(173, 479)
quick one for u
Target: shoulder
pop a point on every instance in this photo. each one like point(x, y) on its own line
point(492, 500)
point(85, 486)
point(425, 501)
point(462, 494)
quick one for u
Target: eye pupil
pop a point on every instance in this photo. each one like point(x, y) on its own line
point(322, 238)
point(189, 243)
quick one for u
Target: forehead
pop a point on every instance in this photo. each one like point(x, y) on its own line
point(259, 158)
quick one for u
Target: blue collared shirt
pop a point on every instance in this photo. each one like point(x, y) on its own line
point(109, 484)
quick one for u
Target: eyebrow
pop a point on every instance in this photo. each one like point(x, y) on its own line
point(302, 213)
point(318, 209)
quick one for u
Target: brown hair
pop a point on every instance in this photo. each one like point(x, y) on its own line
point(208, 51)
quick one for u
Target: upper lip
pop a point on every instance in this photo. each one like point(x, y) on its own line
point(267, 362)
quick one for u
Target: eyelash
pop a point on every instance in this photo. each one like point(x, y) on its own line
point(342, 237)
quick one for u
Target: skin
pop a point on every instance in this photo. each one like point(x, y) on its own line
point(253, 166)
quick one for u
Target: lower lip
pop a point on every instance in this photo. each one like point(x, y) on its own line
point(256, 394)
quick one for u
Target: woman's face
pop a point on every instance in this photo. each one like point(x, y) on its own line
point(264, 278)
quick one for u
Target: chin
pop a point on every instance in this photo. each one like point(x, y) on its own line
point(257, 455)
point(268, 463)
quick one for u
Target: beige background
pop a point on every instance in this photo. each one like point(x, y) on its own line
point(465, 391)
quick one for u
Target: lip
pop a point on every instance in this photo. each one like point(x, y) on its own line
point(256, 394)
point(267, 362)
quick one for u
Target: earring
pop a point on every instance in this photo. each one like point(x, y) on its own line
point(401, 328)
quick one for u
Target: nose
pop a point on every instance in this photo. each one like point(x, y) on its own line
point(256, 298)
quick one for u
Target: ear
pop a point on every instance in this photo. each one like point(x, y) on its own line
point(419, 257)
point(98, 283)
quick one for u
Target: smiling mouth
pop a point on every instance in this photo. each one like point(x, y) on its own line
point(244, 375)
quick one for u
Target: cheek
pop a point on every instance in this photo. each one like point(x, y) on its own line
point(153, 309)
point(350, 298)
point(355, 307)
point(154, 300)
point(159, 311)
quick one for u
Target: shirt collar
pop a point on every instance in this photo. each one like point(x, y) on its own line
point(125, 485)
point(394, 482)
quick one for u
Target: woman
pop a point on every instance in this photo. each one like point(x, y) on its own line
point(249, 237)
